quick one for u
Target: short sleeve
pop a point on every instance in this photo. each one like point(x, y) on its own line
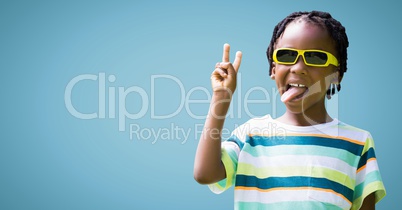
point(368, 177)
point(230, 153)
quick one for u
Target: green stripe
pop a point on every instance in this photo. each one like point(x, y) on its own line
point(288, 171)
point(281, 150)
point(371, 177)
point(230, 169)
point(376, 187)
point(369, 144)
point(335, 176)
point(228, 159)
point(233, 156)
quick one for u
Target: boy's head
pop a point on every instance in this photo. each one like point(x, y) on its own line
point(322, 19)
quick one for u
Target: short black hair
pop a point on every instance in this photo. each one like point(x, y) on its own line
point(323, 19)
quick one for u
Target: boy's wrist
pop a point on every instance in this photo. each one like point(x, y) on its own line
point(222, 94)
point(220, 104)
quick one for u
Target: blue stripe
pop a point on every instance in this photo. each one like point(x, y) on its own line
point(353, 148)
point(366, 156)
point(295, 181)
point(233, 138)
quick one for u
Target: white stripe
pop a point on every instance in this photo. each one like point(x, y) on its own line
point(280, 150)
point(370, 167)
point(275, 196)
point(298, 160)
point(230, 145)
point(329, 197)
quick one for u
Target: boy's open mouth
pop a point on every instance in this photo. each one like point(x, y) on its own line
point(293, 92)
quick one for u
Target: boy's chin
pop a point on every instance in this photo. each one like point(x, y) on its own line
point(299, 107)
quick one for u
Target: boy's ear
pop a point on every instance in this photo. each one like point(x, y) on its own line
point(336, 79)
point(273, 71)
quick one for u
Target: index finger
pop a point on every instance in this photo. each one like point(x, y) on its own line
point(226, 49)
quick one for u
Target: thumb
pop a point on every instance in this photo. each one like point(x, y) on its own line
point(227, 66)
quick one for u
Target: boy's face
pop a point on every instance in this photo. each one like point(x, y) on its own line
point(303, 88)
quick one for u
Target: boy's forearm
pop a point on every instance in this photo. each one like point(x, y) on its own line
point(208, 167)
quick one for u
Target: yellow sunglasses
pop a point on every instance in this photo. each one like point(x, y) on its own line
point(318, 58)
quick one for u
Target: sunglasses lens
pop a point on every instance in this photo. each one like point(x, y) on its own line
point(286, 56)
point(317, 58)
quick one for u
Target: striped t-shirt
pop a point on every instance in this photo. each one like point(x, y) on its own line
point(277, 166)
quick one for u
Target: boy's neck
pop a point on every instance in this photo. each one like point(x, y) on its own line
point(305, 118)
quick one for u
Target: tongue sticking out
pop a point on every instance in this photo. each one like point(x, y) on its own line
point(292, 93)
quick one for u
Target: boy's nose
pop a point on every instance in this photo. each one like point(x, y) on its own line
point(299, 67)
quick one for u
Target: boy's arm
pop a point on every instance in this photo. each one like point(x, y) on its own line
point(368, 202)
point(208, 167)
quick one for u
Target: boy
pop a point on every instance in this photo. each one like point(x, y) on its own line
point(318, 162)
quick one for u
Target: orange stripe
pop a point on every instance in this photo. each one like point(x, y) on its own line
point(293, 188)
point(363, 167)
point(316, 135)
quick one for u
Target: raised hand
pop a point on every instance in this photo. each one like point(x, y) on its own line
point(208, 167)
point(223, 78)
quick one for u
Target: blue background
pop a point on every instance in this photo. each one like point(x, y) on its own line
point(51, 159)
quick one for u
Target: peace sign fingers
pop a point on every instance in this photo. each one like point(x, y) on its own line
point(224, 75)
point(225, 57)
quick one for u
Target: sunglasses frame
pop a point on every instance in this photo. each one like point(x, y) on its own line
point(331, 58)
